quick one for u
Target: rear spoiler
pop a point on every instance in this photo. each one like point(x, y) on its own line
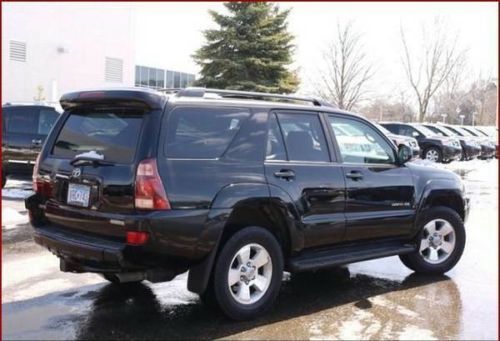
point(143, 98)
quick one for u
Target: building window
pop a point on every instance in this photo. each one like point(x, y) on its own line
point(159, 78)
point(113, 70)
point(17, 51)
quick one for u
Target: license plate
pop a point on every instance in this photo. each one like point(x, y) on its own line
point(78, 195)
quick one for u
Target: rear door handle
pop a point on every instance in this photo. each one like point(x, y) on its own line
point(354, 175)
point(36, 142)
point(286, 174)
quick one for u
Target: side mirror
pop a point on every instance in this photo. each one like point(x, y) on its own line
point(405, 154)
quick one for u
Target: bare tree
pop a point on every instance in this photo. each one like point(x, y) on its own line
point(343, 81)
point(435, 62)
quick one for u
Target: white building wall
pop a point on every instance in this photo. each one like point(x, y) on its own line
point(86, 33)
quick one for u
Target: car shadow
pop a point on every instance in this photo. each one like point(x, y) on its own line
point(135, 312)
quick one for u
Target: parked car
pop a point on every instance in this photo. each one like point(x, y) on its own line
point(235, 187)
point(492, 133)
point(400, 140)
point(489, 143)
point(434, 148)
point(487, 149)
point(471, 149)
point(25, 127)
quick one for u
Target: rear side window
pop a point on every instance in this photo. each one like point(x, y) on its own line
point(202, 132)
point(304, 137)
point(113, 134)
point(21, 120)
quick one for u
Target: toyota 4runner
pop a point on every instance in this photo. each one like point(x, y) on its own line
point(235, 187)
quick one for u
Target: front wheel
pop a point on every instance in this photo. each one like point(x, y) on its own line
point(433, 154)
point(441, 242)
point(248, 274)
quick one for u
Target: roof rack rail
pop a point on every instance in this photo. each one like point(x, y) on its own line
point(200, 92)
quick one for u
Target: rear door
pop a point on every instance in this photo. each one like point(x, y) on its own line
point(86, 194)
point(380, 194)
point(298, 163)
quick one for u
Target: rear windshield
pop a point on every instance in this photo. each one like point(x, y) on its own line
point(113, 134)
point(202, 132)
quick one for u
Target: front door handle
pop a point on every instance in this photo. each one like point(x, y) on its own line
point(286, 174)
point(36, 142)
point(354, 175)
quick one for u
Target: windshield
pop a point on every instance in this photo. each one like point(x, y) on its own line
point(383, 129)
point(447, 131)
point(424, 130)
point(463, 131)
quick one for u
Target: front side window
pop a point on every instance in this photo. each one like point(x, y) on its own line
point(304, 137)
point(202, 132)
point(360, 143)
point(46, 121)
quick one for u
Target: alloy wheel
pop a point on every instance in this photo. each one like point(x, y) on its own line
point(438, 241)
point(250, 274)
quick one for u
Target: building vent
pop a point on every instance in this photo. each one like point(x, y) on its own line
point(17, 51)
point(113, 70)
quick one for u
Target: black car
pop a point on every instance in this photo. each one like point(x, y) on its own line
point(235, 187)
point(400, 140)
point(25, 128)
point(471, 149)
point(488, 146)
point(434, 148)
point(487, 149)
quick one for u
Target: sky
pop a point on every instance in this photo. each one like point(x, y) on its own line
point(167, 34)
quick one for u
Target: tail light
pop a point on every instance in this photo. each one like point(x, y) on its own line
point(41, 185)
point(137, 238)
point(35, 173)
point(149, 191)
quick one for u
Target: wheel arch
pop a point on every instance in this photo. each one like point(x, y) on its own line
point(238, 206)
point(443, 193)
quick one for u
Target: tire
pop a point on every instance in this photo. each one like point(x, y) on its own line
point(421, 260)
point(229, 299)
point(4, 179)
point(437, 155)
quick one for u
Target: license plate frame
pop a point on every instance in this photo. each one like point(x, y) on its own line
point(78, 195)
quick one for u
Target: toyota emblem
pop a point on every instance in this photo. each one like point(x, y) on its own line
point(76, 172)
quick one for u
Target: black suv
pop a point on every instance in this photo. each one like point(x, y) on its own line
point(25, 128)
point(235, 187)
point(470, 147)
point(487, 146)
point(434, 148)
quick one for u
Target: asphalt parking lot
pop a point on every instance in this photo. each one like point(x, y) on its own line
point(378, 299)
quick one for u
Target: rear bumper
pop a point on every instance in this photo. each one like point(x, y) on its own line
point(451, 153)
point(178, 239)
point(92, 254)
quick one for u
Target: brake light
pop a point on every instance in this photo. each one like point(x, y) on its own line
point(149, 191)
point(137, 238)
point(41, 185)
point(35, 173)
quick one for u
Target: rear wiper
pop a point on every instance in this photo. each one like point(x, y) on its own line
point(89, 161)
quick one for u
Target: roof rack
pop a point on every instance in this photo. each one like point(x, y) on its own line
point(200, 92)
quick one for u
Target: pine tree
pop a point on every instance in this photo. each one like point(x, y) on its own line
point(251, 50)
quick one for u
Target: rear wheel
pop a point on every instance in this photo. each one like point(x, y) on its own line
point(433, 154)
point(440, 243)
point(247, 275)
